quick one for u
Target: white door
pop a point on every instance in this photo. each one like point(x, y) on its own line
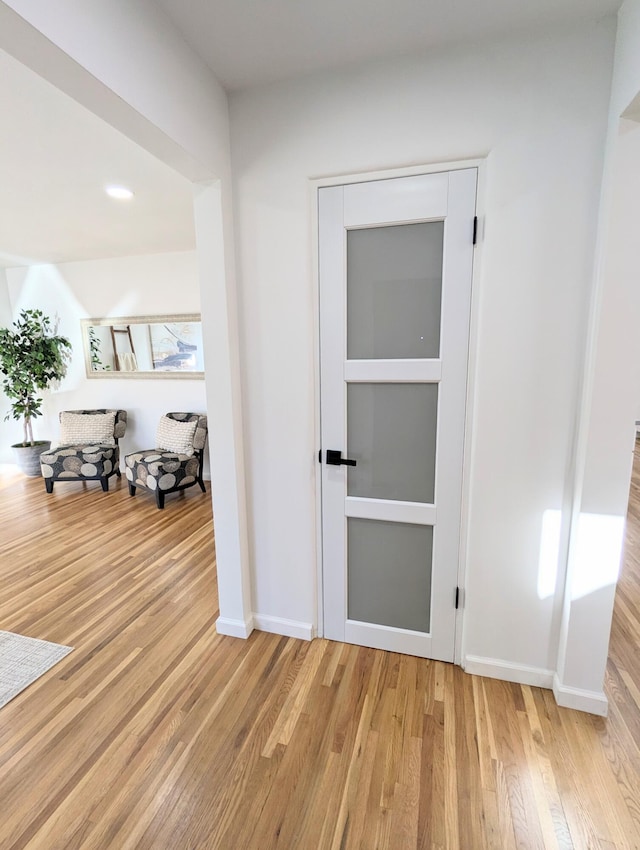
point(395, 289)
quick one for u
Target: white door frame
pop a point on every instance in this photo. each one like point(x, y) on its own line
point(469, 446)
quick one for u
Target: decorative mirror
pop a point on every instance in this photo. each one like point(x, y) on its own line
point(143, 347)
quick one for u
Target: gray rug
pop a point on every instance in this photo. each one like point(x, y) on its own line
point(23, 660)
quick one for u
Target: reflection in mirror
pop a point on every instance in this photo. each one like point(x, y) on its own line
point(144, 346)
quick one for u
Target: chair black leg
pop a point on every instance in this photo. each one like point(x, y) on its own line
point(159, 499)
point(48, 483)
point(105, 484)
point(118, 473)
point(199, 477)
point(132, 490)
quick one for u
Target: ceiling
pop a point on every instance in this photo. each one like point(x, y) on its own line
point(250, 42)
point(55, 156)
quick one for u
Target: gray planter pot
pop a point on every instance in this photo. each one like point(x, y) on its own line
point(28, 457)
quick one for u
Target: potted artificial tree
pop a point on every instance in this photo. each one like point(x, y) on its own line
point(32, 357)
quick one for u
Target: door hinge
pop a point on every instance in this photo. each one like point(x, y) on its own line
point(457, 597)
point(475, 229)
point(320, 456)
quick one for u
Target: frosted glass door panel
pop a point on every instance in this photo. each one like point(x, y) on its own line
point(389, 573)
point(391, 432)
point(394, 291)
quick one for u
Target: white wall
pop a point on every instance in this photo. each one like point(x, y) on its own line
point(5, 320)
point(606, 435)
point(5, 304)
point(608, 404)
point(626, 76)
point(143, 78)
point(626, 84)
point(618, 371)
point(537, 110)
point(126, 63)
point(130, 286)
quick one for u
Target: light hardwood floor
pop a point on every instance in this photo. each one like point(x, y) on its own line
point(155, 732)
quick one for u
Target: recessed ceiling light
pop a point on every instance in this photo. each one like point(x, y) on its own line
point(120, 193)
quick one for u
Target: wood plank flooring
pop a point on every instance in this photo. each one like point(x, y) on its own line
point(156, 733)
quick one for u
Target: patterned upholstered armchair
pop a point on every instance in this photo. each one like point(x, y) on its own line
point(87, 449)
point(176, 461)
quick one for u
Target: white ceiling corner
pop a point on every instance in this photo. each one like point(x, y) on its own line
point(251, 42)
point(55, 156)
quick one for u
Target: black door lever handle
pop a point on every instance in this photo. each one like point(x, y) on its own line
point(334, 458)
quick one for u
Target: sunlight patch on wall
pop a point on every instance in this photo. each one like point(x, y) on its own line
point(597, 554)
point(549, 550)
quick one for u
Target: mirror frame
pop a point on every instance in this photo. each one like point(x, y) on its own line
point(135, 320)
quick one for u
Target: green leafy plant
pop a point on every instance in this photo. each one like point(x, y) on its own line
point(32, 357)
point(96, 354)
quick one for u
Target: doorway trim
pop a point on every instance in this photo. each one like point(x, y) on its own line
point(31, 42)
point(469, 445)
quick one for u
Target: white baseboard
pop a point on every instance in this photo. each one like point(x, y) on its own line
point(282, 626)
point(234, 628)
point(593, 702)
point(495, 668)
